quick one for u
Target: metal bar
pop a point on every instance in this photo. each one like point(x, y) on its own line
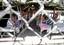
point(2, 13)
point(27, 22)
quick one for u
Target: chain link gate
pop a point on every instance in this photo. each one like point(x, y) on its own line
point(41, 10)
